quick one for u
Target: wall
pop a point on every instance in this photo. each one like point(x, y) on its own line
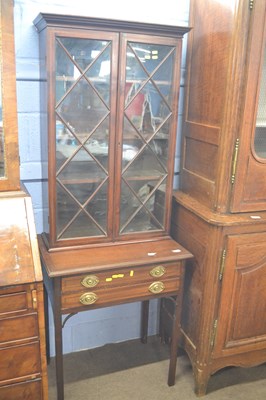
point(116, 323)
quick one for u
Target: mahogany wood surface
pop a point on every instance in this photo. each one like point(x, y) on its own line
point(69, 262)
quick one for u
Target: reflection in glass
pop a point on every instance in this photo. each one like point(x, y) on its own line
point(260, 131)
point(2, 143)
point(82, 136)
point(147, 121)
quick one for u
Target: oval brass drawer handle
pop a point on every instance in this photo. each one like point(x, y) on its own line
point(90, 281)
point(88, 298)
point(156, 287)
point(158, 271)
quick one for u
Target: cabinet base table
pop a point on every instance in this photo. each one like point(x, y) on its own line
point(87, 278)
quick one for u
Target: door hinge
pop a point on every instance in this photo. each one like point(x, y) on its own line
point(214, 330)
point(234, 162)
point(251, 4)
point(222, 263)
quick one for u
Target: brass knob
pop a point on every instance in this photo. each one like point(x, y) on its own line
point(158, 271)
point(88, 298)
point(156, 287)
point(90, 281)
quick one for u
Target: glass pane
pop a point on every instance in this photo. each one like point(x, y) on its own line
point(83, 51)
point(147, 122)
point(66, 208)
point(98, 145)
point(66, 72)
point(82, 109)
point(137, 209)
point(142, 206)
point(97, 207)
point(99, 75)
point(82, 226)
point(260, 132)
point(158, 201)
point(146, 164)
point(140, 199)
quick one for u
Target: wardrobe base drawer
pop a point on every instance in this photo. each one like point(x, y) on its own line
point(21, 391)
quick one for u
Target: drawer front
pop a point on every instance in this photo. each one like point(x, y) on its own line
point(121, 277)
point(19, 362)
point(97, 297)
point(14, 302)
point(22, 391)
point(18, 328)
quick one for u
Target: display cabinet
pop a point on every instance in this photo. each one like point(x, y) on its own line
point(110, 93)
point(110, 99)
point(219, 212)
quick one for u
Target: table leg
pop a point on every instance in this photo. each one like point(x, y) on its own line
point(46, 316)
point(176, 332)
point(174, 346)
point(58, 340)
point(144, 320)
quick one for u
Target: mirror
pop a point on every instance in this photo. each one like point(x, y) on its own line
point(260, 131)
point(9, 159)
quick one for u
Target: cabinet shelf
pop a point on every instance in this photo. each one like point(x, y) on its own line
point(103, 80)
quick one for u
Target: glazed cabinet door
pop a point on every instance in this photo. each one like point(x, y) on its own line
point(249, 166)
point(241, 323)
point(82, 134)
point(148, 101)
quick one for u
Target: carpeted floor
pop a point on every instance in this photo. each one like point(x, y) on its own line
point(133, 371)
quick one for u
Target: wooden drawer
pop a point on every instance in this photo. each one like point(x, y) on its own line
point(15, 302)
point(121, 277)
point(19, 328)
point(100, 297)
point(31, 390)
point(19, 362)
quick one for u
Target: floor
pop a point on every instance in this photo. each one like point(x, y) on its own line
point(134, 371)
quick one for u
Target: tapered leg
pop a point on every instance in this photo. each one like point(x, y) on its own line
point(167, 311)
point(161, 321)
point(174, 345)
point(144, 320)
point(58, 340)
point(176, 331)
point(46, 315)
